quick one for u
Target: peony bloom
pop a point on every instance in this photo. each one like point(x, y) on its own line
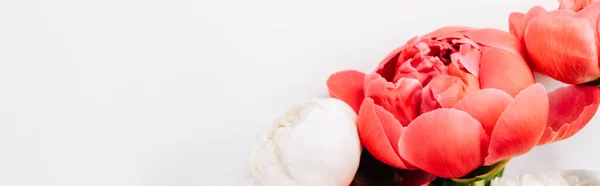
point(457, 99)
point(565, 43)
point(556, 178)
point(313, 144)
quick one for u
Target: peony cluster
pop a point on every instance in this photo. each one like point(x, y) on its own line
point(450, 106)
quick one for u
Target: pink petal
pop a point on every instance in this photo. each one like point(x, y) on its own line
point(518, 21)
point(574, 5)
point(485, 105)
point(496, 38)
point(470, 60)
point(467, 41)
point(379, 132)
point(388, 66)
point(428, 101)
point(445, 90)
point(563, 47)
point(401, 99)
point(520, 126)
point(592, 13)
point(571, 108)
point(533, 12)
point(504, 70)
point(451, 35)
point(446, 143)
point(517, 24)
point(348, 87)
point(444, 31)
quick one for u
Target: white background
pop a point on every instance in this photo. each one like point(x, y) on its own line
point(174, 92)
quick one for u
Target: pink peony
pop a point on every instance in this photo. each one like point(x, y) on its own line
point(456, 99)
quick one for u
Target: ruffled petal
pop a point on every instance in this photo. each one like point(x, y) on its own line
point(347, 86)
point(517, 24)
point(534, 12)
point(402, 99)
point(429, 102)
point(520, 126)
point(574, 5)
point(571, 108)
point(470, 59)
point(563, 47)
point(591, 11)
point(496, 38)
point(388, 66)
point(379, 132)
point(445, 142)
point(504, 70)
point(444, 31)
point(592, 14)
point(445, 90)
point(486, 106)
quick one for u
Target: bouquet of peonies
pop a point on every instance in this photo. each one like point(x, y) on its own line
point(450, 107)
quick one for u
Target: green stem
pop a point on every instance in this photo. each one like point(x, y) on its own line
point(482, 176)
point(451, 182)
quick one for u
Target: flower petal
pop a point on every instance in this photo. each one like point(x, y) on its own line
point(534, 12)
point(574, 5)
point(445, 90)
point(347, 86)
point(571, 108)
point(592, 13)
point(504, 70)
point(401, 99)
point(429, 102)
point(448, 90)
point(517, 24)
point(486, 106)
point(388, 66)
point(379, 132)
point(444, 31)
point(520, 126)
point(496, 38)
point(445, 142)
point(563, 47)
point(470, 60)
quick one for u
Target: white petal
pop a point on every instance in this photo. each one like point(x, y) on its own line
point(313, 144)
point(555, 178)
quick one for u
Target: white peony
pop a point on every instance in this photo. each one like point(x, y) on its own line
point(314, 144)
point(556, 178)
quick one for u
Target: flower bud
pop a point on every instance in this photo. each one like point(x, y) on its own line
point(313, 144)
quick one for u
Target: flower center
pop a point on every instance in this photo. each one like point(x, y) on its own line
point(446, 68)
point(430, 57)
point(443, 50)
